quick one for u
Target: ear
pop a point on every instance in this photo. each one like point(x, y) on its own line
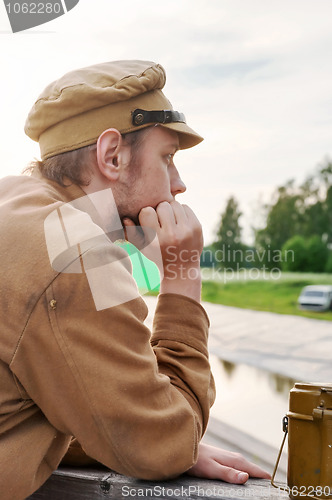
point(110, 153)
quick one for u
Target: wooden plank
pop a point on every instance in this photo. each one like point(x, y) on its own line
point(71, 483)
point(93, 484)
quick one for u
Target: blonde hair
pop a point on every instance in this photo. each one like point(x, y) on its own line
point(77, 166)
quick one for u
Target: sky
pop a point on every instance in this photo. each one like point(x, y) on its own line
point(254, 77)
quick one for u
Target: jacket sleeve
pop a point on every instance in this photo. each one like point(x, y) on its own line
point(137, 404)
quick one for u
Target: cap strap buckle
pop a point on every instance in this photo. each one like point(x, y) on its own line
point(141, 117)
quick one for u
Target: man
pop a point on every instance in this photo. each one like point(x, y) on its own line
point(76, 358)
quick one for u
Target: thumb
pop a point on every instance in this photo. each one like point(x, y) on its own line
point(133, 233)
point(141, 236)
point(128, 222)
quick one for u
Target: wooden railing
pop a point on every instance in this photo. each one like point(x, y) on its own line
point(102, 484)
point(94, 484)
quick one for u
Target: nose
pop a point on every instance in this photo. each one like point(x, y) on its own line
point(176, 183)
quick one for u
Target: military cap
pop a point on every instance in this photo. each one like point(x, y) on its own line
point(73, 111)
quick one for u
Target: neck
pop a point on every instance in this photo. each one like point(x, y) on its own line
point(101, 195)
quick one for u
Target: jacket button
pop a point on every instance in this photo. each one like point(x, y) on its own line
point(53, 304)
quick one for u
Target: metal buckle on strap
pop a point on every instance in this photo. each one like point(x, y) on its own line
point(141, 117)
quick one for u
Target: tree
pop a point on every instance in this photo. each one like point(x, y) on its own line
point(305, 210)
point(284, 218)
point(305, 255)
point(328, 266)
point(228, 247)
point(317, 255)
point(207, 258)
point(294, 254)
point(328, 211)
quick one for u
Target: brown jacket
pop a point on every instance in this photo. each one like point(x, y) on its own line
point(137, 403)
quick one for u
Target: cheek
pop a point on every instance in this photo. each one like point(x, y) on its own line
point(154, 183)
point(162, 182)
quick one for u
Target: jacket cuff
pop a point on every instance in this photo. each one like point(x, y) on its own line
point(181, 319)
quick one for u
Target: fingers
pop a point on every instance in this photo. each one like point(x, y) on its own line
point(175, 218)
point(133, 233)
point(215, 470)
point(166, 215)
point(148, 217)
point(127, 223)
point(175, 213)
point(191, 217)
point(142, 235)
point(216, 463)
point(237, 461)
point(230, 475)
point(170, 226)
point(180, 213)
point(255, 471)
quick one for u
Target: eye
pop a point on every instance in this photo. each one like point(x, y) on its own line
point(169, 158)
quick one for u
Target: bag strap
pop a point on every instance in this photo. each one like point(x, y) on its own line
point(285, 429)
point(287, 489)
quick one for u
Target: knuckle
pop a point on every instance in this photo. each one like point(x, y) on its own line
point(229, 472)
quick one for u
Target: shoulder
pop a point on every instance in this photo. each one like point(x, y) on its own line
point(35, 189)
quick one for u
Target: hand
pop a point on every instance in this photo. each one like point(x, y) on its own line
point(215, 463)
point(178, 248)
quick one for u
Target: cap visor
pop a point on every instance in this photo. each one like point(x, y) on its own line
point(188, 138)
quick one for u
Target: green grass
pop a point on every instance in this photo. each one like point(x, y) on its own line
point(276, 292)
point(279, 296)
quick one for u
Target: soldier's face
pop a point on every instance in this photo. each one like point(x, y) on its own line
point(157, 177)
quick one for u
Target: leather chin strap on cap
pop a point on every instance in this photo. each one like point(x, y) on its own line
point(141, 117)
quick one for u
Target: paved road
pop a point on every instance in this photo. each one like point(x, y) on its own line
point(299, 348)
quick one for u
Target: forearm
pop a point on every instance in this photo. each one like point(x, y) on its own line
point(180, 333)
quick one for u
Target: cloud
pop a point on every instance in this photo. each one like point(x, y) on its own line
point(209, 75)
point(254, 78)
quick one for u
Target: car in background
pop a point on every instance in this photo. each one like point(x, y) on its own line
point(316, 298)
